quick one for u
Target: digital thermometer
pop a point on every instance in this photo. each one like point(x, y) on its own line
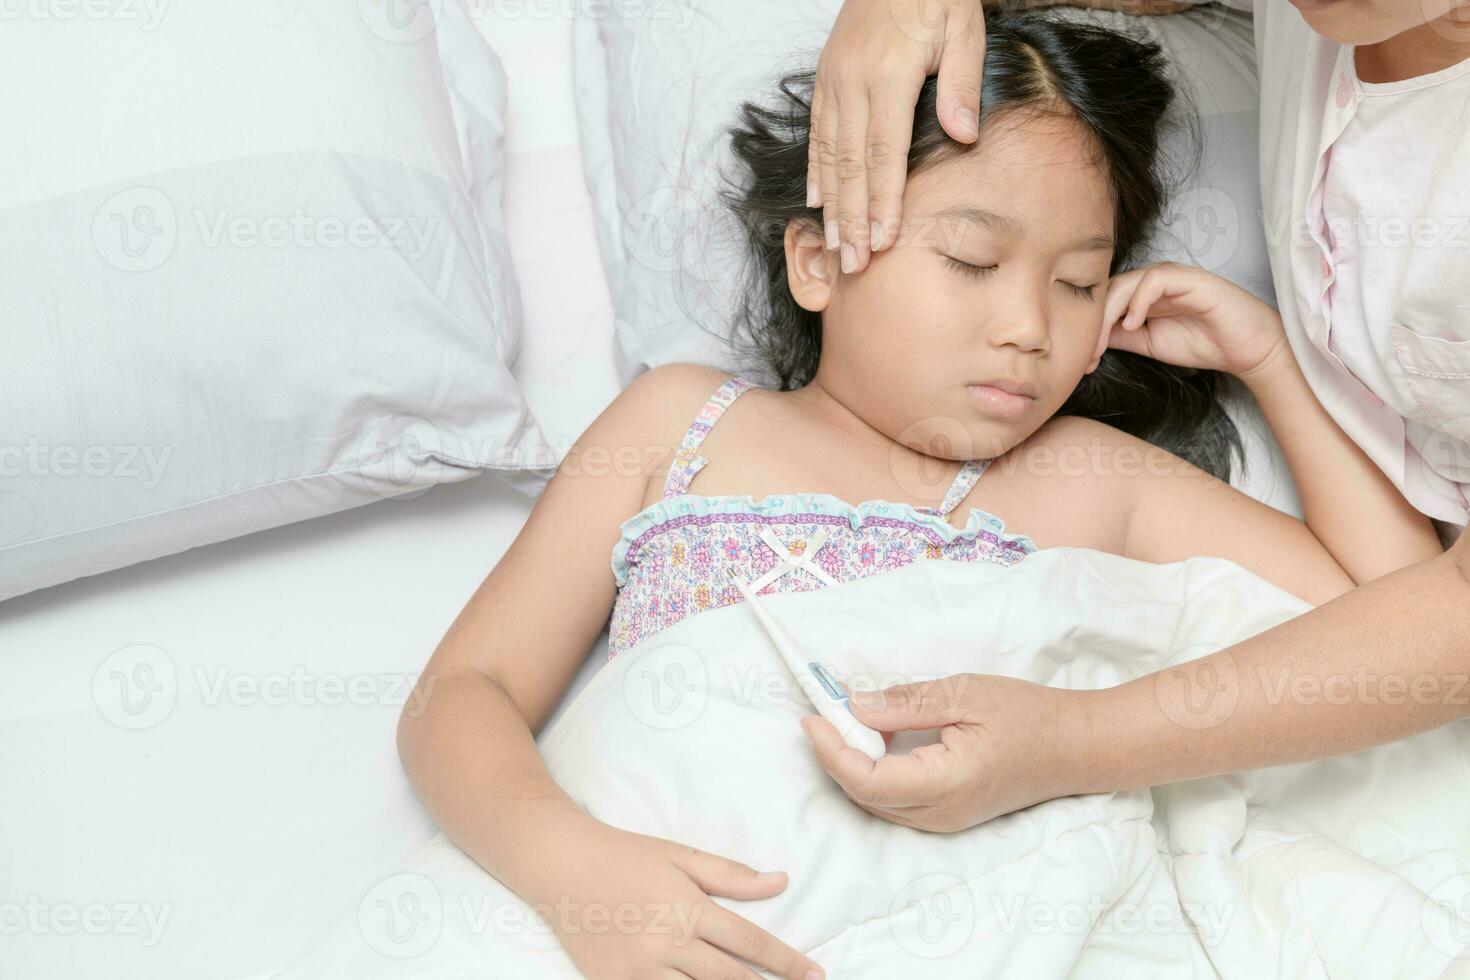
point(825, 692)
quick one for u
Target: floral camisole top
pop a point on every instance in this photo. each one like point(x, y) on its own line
point(670, 561)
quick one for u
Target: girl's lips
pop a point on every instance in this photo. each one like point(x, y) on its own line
point(996, 402)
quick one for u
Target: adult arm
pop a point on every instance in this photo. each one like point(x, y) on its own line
point(1382, 662)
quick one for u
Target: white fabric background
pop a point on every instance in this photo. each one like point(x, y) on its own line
point(255, 822)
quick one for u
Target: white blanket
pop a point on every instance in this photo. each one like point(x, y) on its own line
point(1355, 866)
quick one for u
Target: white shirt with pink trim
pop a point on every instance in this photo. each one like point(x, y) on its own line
point(1366, 197)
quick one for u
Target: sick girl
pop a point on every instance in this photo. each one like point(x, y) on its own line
point(927, 409)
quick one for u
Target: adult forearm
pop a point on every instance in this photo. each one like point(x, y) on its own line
point(1382, 662)
point(1138, 8)
point(474, 763)
point(1350, 505)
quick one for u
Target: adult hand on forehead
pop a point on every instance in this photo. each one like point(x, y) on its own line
point(867, 84)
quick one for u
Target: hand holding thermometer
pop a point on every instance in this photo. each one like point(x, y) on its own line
point(826, 693)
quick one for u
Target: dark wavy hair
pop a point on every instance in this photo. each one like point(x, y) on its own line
point(1119, 89)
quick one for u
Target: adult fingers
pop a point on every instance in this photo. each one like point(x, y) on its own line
point(852, 179)
point(961, 71)
point(824, 144)
point(890, 131)
point(918, 778)
point(927, 704)
point(813, 159)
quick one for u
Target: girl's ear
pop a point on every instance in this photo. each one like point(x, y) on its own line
point(811, 270)
point(1103, 335)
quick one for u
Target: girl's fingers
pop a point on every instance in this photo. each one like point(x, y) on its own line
point(716, 875)
point(704, 962)
point(889, 130)
point(852, 180)
point(1134, 342)
point(722, 928)
point(1120, 292)
point(1149, 290)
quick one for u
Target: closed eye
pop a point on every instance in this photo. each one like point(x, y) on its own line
point(966, 268)
point(1086, 292)
point(975, 271)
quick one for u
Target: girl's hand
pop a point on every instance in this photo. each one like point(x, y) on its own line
point(868, 81)
point(1183, 315)
point(631, 907)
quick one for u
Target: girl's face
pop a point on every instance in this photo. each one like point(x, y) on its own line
point(997, 281)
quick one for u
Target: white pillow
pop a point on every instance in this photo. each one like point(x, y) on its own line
point(657, 94)
point(252, 269)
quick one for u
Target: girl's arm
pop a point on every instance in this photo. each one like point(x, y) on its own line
point(1352, 507)
point(466, 737)
point(1169, 510)
point(1186, 316)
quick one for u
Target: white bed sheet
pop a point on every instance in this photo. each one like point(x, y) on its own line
point(248, 822)
point(252, 823)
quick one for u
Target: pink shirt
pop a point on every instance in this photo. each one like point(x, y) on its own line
point(1366, 196)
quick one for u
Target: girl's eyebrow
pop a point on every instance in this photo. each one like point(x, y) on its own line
point(1004, 224)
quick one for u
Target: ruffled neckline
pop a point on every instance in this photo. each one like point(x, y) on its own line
point(777, 504)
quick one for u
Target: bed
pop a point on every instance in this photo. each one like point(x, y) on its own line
point(243, 814)
point(249, 787)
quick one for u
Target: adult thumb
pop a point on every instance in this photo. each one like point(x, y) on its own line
point(905, 707)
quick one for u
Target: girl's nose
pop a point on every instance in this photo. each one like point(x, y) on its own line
point(1022, 325)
